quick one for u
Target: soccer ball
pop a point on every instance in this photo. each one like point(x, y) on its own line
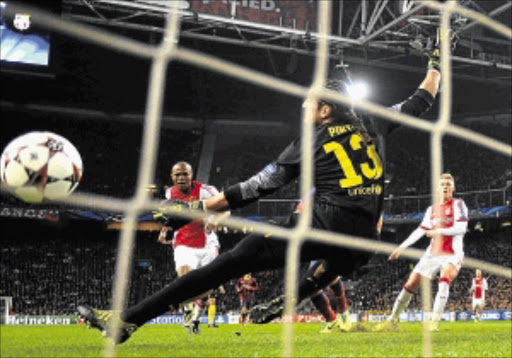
point(40, 166)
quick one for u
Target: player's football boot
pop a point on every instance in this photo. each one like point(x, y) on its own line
point(387, 324)
point(194, 328)
point(433, 326)
point(344, 322)
point(266, 312)
point(100, 319)
point(348, 320)
point(187, 319)
point(328, 327)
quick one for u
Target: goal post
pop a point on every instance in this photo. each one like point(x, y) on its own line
point(5, 308)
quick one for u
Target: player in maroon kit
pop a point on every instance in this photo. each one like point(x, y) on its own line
point(195, 244)
point(478, 287)
point(245, 288)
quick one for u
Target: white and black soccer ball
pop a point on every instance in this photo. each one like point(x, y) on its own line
point(40, 166)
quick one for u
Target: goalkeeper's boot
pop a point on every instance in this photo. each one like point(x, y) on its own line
point(387, 324)
point(100, 320)
point(266, 312)
point(328, 327)
point(194, 328)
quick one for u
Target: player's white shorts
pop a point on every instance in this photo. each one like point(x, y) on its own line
point(478, 302)
point(194, 257)
point(429, 265)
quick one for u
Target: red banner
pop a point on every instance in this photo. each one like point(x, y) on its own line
point(301, 318)
point(298, 14)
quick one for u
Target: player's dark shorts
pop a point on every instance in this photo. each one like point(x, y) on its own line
point(246, 303)
point(259, 252)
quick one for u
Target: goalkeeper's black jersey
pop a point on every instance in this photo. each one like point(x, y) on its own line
point(348, 170)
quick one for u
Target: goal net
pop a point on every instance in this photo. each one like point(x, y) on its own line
point(169, 50)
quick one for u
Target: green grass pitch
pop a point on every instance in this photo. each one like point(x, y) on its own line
point(455, 339)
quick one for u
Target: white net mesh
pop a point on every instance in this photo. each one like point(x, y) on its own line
point(168, 50)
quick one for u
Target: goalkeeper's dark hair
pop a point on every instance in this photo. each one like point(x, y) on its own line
point(341, 110)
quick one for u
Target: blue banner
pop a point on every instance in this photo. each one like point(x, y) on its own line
point(491, 315)
point(178, 319)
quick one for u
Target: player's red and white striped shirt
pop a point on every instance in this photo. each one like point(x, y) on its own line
point(445, 216)
point(479, 286)
point(193, 234)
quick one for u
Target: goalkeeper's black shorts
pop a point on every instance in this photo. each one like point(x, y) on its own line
point(258, 252)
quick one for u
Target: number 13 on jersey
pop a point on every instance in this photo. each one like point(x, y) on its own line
point(352, 178)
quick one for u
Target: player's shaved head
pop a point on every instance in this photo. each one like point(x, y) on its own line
point(182, 165)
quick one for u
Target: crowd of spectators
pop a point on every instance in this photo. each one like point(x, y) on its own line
point(49, 271)
point(409, 169)
point(378, 288)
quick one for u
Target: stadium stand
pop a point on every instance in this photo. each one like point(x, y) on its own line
point(53, 276)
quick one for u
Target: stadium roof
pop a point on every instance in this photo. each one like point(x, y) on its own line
point(380, 40)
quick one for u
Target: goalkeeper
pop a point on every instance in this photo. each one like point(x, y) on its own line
point(349, 184)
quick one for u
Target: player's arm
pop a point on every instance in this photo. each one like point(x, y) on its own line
point(214, 220)
point(414, 236)
point(267, 181)
point(162, 236)
point(458, 228)
point(378, 226)
point(423, 98)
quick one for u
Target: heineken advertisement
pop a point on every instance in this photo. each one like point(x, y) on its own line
point(47, 320)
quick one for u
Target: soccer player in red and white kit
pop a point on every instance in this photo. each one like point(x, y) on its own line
point(478, 287)
point(245, 288)
point(195, 244)
point(445, 223)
